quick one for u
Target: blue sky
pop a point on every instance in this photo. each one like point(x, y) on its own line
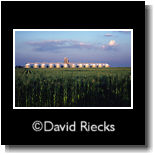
point(112, 47)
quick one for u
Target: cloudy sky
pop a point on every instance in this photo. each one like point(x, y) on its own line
point(112, 47)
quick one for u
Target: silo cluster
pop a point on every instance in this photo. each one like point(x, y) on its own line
point(66, 64)
point(58, 65)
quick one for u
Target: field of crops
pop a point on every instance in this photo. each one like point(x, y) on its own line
point(105, 87)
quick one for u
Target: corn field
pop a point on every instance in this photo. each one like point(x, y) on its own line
point(105, 87)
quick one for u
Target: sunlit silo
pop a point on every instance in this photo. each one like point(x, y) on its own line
point(107, 65)
point(73, 65)
point(100, 65)
point(43, 66)
point(80, 65)
point(57, 65)
point(27, 66)
point(35, 66)
point(87, 65)
point(94, 66)
point(51, 66)
point(66, 66)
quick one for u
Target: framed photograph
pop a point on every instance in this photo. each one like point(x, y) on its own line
point(45, 78)
point(73, 73)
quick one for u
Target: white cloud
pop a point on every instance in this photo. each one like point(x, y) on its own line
point(82, 44)
point(112, 43)
point(108, 35)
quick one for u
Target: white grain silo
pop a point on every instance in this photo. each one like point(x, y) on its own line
point(27, 66)
point(94, 66)
point(87, 65)
point(80, 65)
point(43, 66)
point(73, 65)
point(100, 65)
point(66, 66)
point(57, 65)
point(107, 65)
point(35, 66)
point(51, 66)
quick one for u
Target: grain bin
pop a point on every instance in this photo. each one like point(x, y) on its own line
point(107, 65)
point(35, 66)
point(73, 65)
point(57, 65)
point(87, 65)
point(51, 66)
point(100, 65)
point(66, 66)
point(27, 66)
point(43, 66)
point(94, 66)
point(80, 65)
